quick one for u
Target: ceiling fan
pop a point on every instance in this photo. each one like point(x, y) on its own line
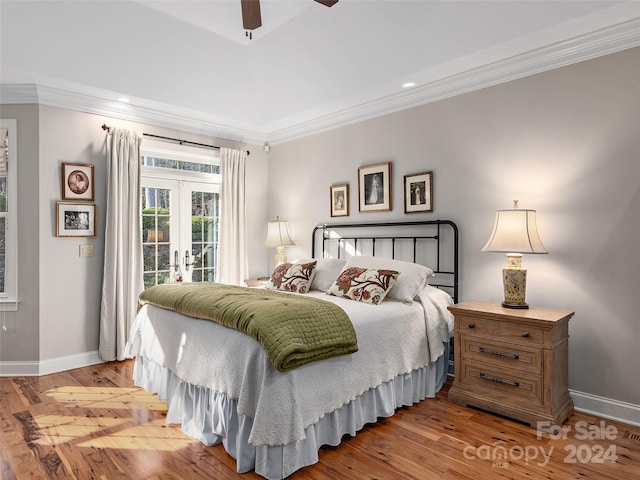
point(251, 18)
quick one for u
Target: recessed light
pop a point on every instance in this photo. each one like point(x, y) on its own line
point(408, 84)
point(123, 100)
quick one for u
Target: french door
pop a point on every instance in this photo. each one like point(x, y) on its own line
point(179, 230)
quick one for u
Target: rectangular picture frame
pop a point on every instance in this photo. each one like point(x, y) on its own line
point(374, 187)
point(75, 220)
point(339, 200)
point(77, 181)
point(418, 193)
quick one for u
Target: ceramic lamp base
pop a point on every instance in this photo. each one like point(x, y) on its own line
point(280, 256)
point(515, 287)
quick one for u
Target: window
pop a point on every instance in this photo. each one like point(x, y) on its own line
point(8, 216)
point(180, 212)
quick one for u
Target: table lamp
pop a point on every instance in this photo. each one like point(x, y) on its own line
point(278, 237)
point(514, 233)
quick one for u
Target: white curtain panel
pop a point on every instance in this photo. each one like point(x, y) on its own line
point(122, 282)
point(232, 265)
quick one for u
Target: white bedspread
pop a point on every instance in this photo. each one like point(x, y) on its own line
point(393, 339)
point(439, 320)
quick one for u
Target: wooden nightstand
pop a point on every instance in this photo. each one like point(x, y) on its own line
point(257, 282)
point(512, 362)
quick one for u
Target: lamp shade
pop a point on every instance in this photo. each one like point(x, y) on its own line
point(515, 231)
point(278, 234)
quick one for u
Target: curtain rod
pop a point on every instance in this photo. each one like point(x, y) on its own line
point(181, 142)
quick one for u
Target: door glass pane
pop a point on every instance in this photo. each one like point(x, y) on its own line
point(165, 163)
point(189, 166)
point(156, 216)
point(196, 251)
point(210, 209)
point(204, 228)
point(149, 255)
point(196, 276)
point(164, 258)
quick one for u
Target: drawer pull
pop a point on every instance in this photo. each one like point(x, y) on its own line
point(513, 383)
point(512, 356)
point(525, 334)
point(472, 325)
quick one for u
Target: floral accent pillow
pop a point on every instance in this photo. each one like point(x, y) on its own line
point(363, 285)
point(293, 277)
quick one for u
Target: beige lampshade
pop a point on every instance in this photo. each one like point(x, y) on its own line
point(515, 231)
point(278, 235)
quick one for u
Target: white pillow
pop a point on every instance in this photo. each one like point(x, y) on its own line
point(326, 273)
point(327, 270)
point(412, 278)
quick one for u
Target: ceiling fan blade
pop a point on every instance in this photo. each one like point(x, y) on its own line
point(251, 18)
point(327, 3)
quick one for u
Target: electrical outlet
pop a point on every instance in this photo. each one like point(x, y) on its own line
point(86, 250)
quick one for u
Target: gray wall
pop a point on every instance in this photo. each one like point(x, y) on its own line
point(564, 142)
point(60, 292)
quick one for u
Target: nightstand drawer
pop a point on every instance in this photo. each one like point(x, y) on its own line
point(501, 330)
point(498, 355)
point(502, 381)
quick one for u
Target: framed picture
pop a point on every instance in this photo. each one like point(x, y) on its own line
point(374, 187)
point(418, 193)
point(77, 181)
point(75, 219)
point(340, 200)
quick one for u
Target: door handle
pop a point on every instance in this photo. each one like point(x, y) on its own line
point(186, 260)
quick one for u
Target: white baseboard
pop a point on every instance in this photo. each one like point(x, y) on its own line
point(606, 407)
point(19, 369)
point(46, 367)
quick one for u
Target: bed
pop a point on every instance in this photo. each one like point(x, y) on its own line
point(221, 386)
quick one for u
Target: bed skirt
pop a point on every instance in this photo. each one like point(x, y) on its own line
point(212, 417)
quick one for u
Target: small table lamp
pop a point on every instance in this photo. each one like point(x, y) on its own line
point(514, 233)
point(278, 237)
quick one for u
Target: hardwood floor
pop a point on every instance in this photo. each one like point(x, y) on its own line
point(92, 423)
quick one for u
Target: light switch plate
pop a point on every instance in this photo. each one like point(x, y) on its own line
point(86, 250)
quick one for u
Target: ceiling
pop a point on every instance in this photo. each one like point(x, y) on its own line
point(190, 65)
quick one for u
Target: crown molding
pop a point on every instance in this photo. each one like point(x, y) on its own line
point(597, 43)
point(603, 42)
point(139, 110)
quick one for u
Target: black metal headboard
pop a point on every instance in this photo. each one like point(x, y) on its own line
point(433, 243)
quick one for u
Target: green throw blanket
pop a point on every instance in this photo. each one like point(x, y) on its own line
point(293, 329)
